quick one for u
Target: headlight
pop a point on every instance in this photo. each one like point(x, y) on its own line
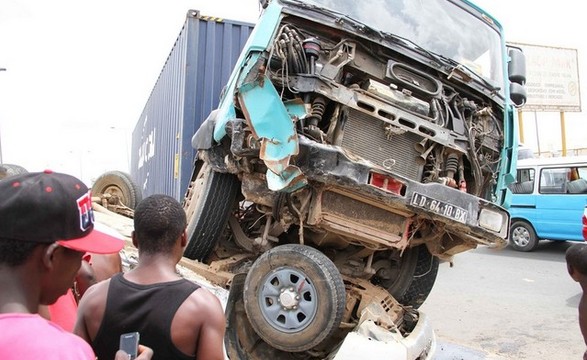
point(491, 220)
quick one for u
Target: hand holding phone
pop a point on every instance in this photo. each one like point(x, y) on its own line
point(145, 353)
point(129, 343)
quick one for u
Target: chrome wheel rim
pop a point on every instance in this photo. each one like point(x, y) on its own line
point(521, 236)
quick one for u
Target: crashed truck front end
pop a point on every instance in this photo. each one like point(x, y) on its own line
point(374, 132)
point(401, 115)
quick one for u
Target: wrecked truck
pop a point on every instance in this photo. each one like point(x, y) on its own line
point(354, 146)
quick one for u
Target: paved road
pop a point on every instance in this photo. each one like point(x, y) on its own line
point(504, 304)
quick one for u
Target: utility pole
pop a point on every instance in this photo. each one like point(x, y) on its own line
point(1, 162)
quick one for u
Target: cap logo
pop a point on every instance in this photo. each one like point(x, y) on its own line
point(86, 213)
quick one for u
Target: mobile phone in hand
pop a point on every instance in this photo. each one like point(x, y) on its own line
point(129, 343)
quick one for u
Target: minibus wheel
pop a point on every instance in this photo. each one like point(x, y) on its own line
point(522, 236)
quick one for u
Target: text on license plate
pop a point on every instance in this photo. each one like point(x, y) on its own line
point(439, 207)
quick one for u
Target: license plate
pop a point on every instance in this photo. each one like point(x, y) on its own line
point(439, 207)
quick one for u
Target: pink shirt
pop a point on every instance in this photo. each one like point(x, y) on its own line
point(64, 311)
point(29, 336)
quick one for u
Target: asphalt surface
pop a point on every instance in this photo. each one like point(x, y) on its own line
point(504, 304)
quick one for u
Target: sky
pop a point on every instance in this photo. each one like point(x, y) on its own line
point(78, 73)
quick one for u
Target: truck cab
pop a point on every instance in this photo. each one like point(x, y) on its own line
point(357, 143)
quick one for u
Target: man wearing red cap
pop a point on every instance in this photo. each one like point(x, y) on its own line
point(46, 225)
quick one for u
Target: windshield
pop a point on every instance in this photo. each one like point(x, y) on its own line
point(435, 25)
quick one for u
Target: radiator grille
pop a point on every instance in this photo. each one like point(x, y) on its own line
point(365, 136)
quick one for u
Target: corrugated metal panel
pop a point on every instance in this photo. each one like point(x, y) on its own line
point(187, 90)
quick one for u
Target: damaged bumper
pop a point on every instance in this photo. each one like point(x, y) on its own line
point(467, 215)
point(383, 344)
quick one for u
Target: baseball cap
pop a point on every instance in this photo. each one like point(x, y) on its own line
point(47, 207)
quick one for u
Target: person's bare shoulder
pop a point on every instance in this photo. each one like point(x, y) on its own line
point(203, 299)
point(210, 305)
point(206, 295)
point(199, 318)
point(202, 306)
point(91, 310)
point(97, 291)
point(94, 299)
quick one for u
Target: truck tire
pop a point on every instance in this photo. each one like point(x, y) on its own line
point(7, 170)
point(410, 278)
point(240, 340)
point(294, 297)
point(522, 236)
point(119, 184)
point(208, 202)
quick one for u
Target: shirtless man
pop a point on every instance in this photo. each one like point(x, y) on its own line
point(175, 317)
point(576, 257)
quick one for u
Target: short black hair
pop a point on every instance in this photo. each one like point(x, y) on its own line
point(159, 220)
point(16, 252)
point(576, 256)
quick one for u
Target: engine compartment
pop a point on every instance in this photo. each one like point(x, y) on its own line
point(388, 109)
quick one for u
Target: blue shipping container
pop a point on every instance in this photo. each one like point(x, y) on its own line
point(187, 90)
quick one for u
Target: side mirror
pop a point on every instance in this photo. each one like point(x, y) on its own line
point(517, 66)
point(517, 76)
point(518, 94)
point(264, 3)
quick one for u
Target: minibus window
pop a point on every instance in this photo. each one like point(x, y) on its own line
point(553, 181)
point(578, 184)
point(524, 183)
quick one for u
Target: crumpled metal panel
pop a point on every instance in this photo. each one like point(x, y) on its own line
point(289, 180)
point(272, 124)
point(260, 39)
point(382, 344)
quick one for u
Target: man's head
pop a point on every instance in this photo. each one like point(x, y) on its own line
point(47, 219)
point(159, 222)
point(576, 257)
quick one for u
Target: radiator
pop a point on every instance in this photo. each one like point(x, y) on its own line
point(365, 136)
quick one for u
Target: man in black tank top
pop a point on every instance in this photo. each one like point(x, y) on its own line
point(175, 317)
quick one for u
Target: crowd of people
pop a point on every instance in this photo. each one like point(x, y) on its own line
point(64, 295)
